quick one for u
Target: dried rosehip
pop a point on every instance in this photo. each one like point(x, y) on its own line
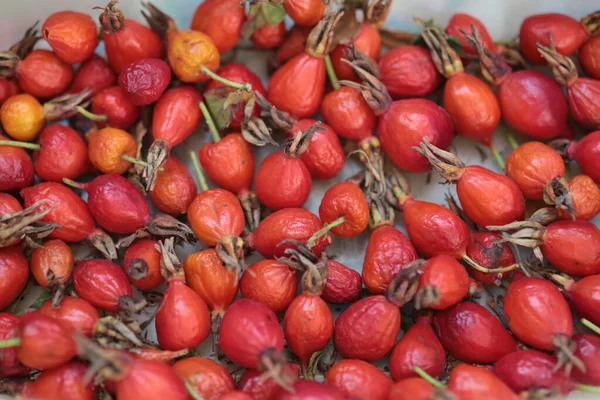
point(175, 189)
point(463, 22)
point(110, 149)
point(66, 382)
point(43, 75)
point(111, 107)
point(144, 81)
point(74, 313)
point(16, 168)
point(359, 379)
point(271, 283)
point(589, 57)
point(142, 264)
point(14, 270)
point(9, 361)
point(586, 152)
point(343, 284)
point(367, 41)
point(221, 20)
point(209, 379)
point(94, 74)
point(269, 36)
point(305, 12)
point(8, 88)
point(72, 35)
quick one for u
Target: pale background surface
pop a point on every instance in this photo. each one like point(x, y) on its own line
point(502, 19)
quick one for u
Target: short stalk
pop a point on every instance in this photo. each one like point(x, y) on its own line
point(210, 122)
point(25, 145)
point(192, 391)
point(497, 157)
point(226, 82)
point(485, 270)
point(198, 169)
point(434, 382)
point(512, 141)
point(591, 326)
point(335, 82)
point(12, 342)
point(323, 231)
point(72, 183)
point(91, 116)
point(587, 388)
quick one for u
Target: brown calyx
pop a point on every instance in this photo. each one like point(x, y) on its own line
point(65, 106)
point(216, 317)
point(557, 193)
point(257, 133)
point(591, 23)
point(545, 215)
point(161, 225)
point(299, 142)
point(564, 147)
point(446, 164)
point(563, 281)
point(321, 41)
point(251, 206)
point(280, 119)
point(404, 286)
point(400, 190)
point(10, 59)
point(224, 102)
point(158, 21)
point(565, 349)
point(111, 332)
point(231, 250)
point(158, 153)
point(55, 287)
point(273, 364)
point(15, 226)
point(137, 269)
point(129, 305)
point(563, 68)
point(140, 131)
point(524, 233)
point(170, 267)
point(376, 12)
point(392, 39)
point(372, 89)
point(381, 212)
point(427, 297)
point(360, 59)
point(303, 259)
point(446, 60)
point(102, 242)
point(370, 154)
point(493, 67)
point(111, 19)
point(104, 363)
point(13, 386)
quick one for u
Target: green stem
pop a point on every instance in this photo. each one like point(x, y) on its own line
point(512, 141)
point(133, 160)
point(587, 388)
point(89, 115)
point(25, 145)
point(72, 183)
point(192, 391)
point(326, 228)
point(335, 82)
point(485, 270)
point(198, 169)
point(434, 382)
point(227, 82)
point(591, 325)
point(497, 157)
point(12, 342)
point(211, 123)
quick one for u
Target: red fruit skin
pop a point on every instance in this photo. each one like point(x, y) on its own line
point(175, 188)
point(486, 251)
point(72, 35)
point(289, 223)
point(464, 21)
point(473, 107)
point(489, 198)
point(434, 229)
point(271, 283)
point(311, 390)
point(53, 259)
point(252, 383)
point(73, 312)
point(209, 379)
point(589, 57)
point(405, 124)
point(71, 213)
point(45, 342)
point(367, 41)
point(229, 163)
point(367, 330)
point(449, 277)
point(241, 74)
point(588, 351)
point(298, 86)
point(293, 45)
point(359, 379)
point(14, 273)
point(120, 112)
point(584, 297)
point(387, 252)
point(221, 20)
point(133, 42)
point(305, 12)
point(8, 88)
point(585, 195)
point(282, 182)
point(147, 379)
point(473, 334)
point(536, 312)
point(176, 114)
point(43, 75)
point(247, 330)
point(16, 168)
point(582, 96)
point(65, 382)
point(94, 74)
point(8, 204)
point(236, 395)
point(269, 36)
point(528, 369)
point(325, 156)
point(182, 320)
point(419, 347)
point(143, 252)
point(573, 247)
point(102, 283)
point(586, 153)
point(409, 71)
point(9, 362)
point(348, 114)
point(567, 34)
point(144, 81)
point(343, 284)
point(534, 104)
point(469, 382)
point(345, 199)
point(117, 204)
point(411, 389)
point(64, 154)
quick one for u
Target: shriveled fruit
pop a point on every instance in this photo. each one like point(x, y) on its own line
point(271, 283)
point(359, 379)
point(209, 379)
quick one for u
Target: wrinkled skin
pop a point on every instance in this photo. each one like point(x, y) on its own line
point(573, 247)
point(14, 273)
point(54, 258)
point(63, 154)
point(309, 390)
point(586, 198)
point(345, 199)
point(359, 379)
point(102, 283)
point(588, 351)
point(208, 378)
point(367, 41)
point(65, 382)
point(221, 20)
point(469, 382)
point(72, 35)
point(448, 277)
point(188, 51)
point(271, 283)
point(145, 80)
point(143, 252)
point(106, 148)
point(176, 114)
point(43, 75)
point(73, 312)
point(22, 117)
point(94, 74)
point(348, 114)
point(175, 189)
point(343, 285)
point(120, 112)
point(586, 153)
point(387, 252)
point(589, 57)
point(473, 334)
point(252, 383)
point(16, 168)
point(583, 107)
point(9, 362)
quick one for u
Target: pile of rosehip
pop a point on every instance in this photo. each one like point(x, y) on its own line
point(108, 266)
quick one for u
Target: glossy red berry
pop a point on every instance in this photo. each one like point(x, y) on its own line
point(72, 35)
point(103, 284)
point(94, 74)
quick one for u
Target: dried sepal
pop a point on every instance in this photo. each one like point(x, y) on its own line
point(65, 106)
point(231, 250)
point(404, 286)
point(563, 68)
point(372, 89)
point(158, 21)
point(280, 119)
point(158, 153)
point(111, 19)
point(224, 102)
point(296, 145)
point(320, 42)
point(376, 12)
point(251, 206)
point(256, 132)
point(493, 67)
point(446, 164)
point(446, 60)
point(360, 59)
